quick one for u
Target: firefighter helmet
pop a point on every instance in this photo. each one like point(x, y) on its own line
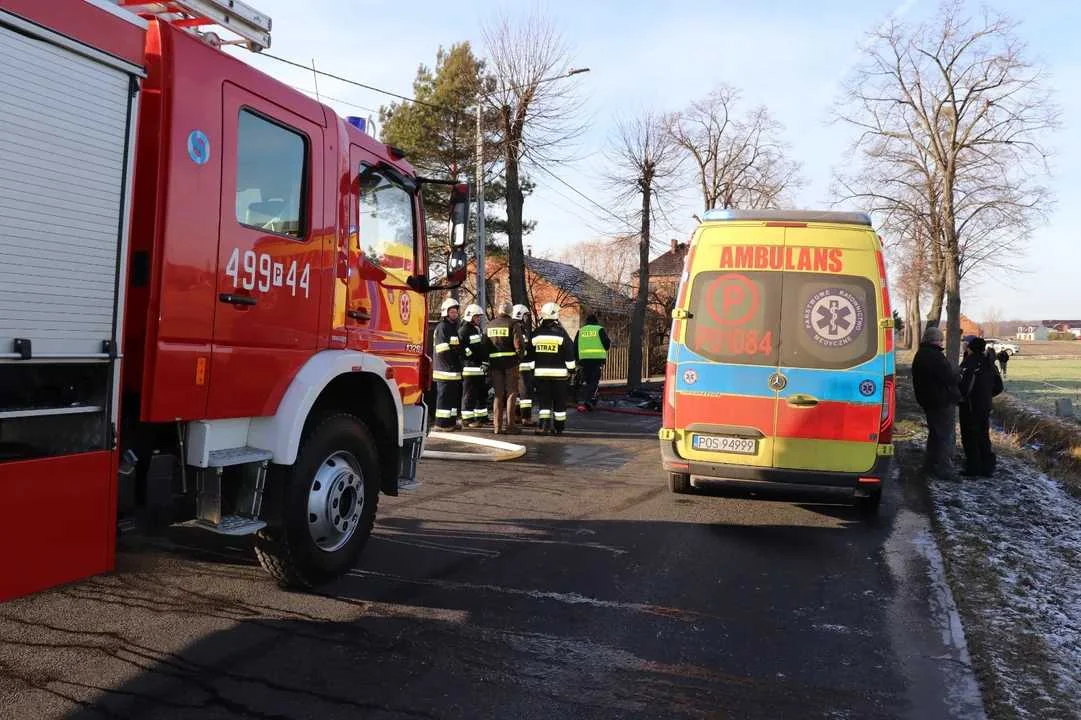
point(550, 311)
point(447, 305)
point(519, 312)
point(471, 311)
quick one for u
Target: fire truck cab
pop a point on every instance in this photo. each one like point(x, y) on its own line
point(211, 296)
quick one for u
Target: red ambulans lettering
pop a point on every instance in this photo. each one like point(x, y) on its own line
point(777, 257)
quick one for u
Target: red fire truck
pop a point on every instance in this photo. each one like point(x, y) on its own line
point(212, 296)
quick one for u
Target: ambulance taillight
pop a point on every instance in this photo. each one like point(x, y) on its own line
point(885, 432)
point(668, 412)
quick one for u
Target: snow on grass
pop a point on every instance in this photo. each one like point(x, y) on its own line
point(1014, 547)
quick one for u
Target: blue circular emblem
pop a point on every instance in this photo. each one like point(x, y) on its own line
point(867, 388)
point(198, 147)
point(833, 317)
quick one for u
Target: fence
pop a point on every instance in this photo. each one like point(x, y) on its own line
point(619, 361)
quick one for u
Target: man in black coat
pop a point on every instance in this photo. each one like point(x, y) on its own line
point(979, 382)
point(937, 393)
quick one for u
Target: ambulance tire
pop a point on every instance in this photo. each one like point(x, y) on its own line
point(868, 506)
point(286, 548)
point(679, 483)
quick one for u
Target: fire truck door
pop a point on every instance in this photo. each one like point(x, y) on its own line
point(380, 309)
point(270, 259)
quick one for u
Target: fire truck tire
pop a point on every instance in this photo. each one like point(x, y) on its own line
point(339, 453)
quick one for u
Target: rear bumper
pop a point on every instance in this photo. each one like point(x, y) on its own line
point(721, 475)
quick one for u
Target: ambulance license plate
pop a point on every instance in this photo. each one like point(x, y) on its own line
point(725, 443)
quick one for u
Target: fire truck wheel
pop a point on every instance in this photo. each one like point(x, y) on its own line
point(326, 507)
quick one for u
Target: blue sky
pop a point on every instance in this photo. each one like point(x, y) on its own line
point(786, 54)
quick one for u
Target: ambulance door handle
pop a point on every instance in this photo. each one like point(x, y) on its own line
point(802, 401)
point(237, 299)
point(361, 315)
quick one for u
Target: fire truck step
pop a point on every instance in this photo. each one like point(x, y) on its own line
point(229, 525)
point(237, 456)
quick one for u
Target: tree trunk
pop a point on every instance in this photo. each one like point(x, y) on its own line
point(515, 253)
point(938, 293)
point(638, 320)
point(915, 329)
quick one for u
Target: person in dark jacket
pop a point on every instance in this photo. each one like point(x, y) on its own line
point(937, 393)
point(979, 382)
point(1003, 358)
point(447, 366)
point(552, 354)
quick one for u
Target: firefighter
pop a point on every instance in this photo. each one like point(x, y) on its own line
point(474, 357)
point(591, 345)
point(553, 361)
point(447, 367)
point(526, 389)
point(506, 348)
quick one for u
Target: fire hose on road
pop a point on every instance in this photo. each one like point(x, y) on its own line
point(503, 450)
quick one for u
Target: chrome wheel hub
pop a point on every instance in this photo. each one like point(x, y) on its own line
point(335, 501)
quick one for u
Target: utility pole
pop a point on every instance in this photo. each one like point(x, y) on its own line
point(482, 290)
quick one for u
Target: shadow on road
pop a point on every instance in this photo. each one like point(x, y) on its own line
point(521, 618)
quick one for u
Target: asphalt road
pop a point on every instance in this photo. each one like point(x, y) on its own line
point(569, 584)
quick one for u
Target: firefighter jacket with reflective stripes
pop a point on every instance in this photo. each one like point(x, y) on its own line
point(474, 349)
point(552, 351)
point(592, 343)
point(505, 343)
point(526, 364)
point(447, 364)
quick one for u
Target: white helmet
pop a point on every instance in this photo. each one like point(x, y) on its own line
point(447, 305)
point(550, 311)
point(471, 311)
point(519, 312)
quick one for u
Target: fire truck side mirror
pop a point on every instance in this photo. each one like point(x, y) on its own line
point(459, 214)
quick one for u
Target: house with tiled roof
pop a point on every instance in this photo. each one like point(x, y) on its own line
point(576, 291)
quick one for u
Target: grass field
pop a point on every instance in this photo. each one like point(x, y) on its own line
point(1040, 381)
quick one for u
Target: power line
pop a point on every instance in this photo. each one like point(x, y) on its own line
point(332, 99)
point(309, 68)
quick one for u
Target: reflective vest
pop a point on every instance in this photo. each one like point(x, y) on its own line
point(447, 364)
point(502, 351)
point(474, 349)
point(590, 346)
point(552, 351)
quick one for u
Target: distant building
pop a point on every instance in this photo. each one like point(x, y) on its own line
point(1065, 326)
point(1033, 333)
point(970, 328)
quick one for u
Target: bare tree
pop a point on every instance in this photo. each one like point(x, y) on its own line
point(646, 160)
point(536, 116)
point(610, 260)
point(739, 160)
point(952, 109)
point(992, 321)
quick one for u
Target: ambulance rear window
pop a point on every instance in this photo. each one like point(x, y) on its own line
point(736, 317)
point(828, 321)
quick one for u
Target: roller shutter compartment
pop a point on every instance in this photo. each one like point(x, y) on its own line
point(63, 135)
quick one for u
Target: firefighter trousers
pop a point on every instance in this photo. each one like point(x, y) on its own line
point(475, 400)
point(552, 402)
point(526, 393)
point(447, 396)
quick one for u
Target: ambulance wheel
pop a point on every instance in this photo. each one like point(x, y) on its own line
point(868, 506)
point(322, 508)
point(679, 483)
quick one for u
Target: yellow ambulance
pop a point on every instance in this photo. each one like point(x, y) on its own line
point(781, 363)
